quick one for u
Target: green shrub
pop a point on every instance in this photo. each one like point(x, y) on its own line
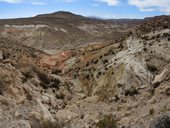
point(151, 111)
point(107, 122)
point(131, 92)
point(152, 68)
point(46, 80)
point(1, 87)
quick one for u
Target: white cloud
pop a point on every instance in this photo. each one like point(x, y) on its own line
point(11, 1)
point(33, 2)
point(152, 5)
point(110, 2)
point(167, 10)
point(147, 9)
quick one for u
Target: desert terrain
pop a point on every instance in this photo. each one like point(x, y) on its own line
point(63, 70)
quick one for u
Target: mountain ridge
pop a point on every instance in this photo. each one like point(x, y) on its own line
point(59, 28)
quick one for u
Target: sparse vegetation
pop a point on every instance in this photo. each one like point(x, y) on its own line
point(107, 122)
point(1, 86)
point(151, 111)
point(152, 68)
point(60, 95)
point(105, 61)
point(46, 80)
point(145, 49)
point(131, 92)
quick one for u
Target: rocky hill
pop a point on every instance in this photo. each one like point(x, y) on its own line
point(119, 79)
point(50, 32)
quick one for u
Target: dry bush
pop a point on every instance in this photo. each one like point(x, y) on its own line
point(107, 122)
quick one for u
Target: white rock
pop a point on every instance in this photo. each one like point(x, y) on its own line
point(66, 115)
point(45, 113)
point(45, 99)
point(92, 99)
point(17, 114)
point(5, 100)
point(159, 78)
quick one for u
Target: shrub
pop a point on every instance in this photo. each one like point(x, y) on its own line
point(145, 38)
point(87, 64)
point(145, 49)
point(87, 76)
point(131, 92)
point(151, 111)
point(96, 61)
point(105, 61)
point(60, 96)
point(107, 122)
point(152, 68)
point(166, 34)
point(43, 76)
point(98, 74)
point(1, 87)
point(46, 80)
point(57, 71)
point(6, 55)
point(101, 57)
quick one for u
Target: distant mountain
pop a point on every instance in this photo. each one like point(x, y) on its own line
point(60, 14)
point(51, 31)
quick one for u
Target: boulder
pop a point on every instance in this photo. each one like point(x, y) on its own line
point(66, 115)
point(45, 99)
point(4, 100)
point(159, 78)
point(92, 99)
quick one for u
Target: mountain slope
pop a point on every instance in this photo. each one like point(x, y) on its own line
point(128, 79)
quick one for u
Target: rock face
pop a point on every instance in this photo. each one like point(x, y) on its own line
point(161, 122)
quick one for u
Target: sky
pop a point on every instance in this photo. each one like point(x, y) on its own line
point(109, 9)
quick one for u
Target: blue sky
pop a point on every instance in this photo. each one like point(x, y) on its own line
point(99, 8)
